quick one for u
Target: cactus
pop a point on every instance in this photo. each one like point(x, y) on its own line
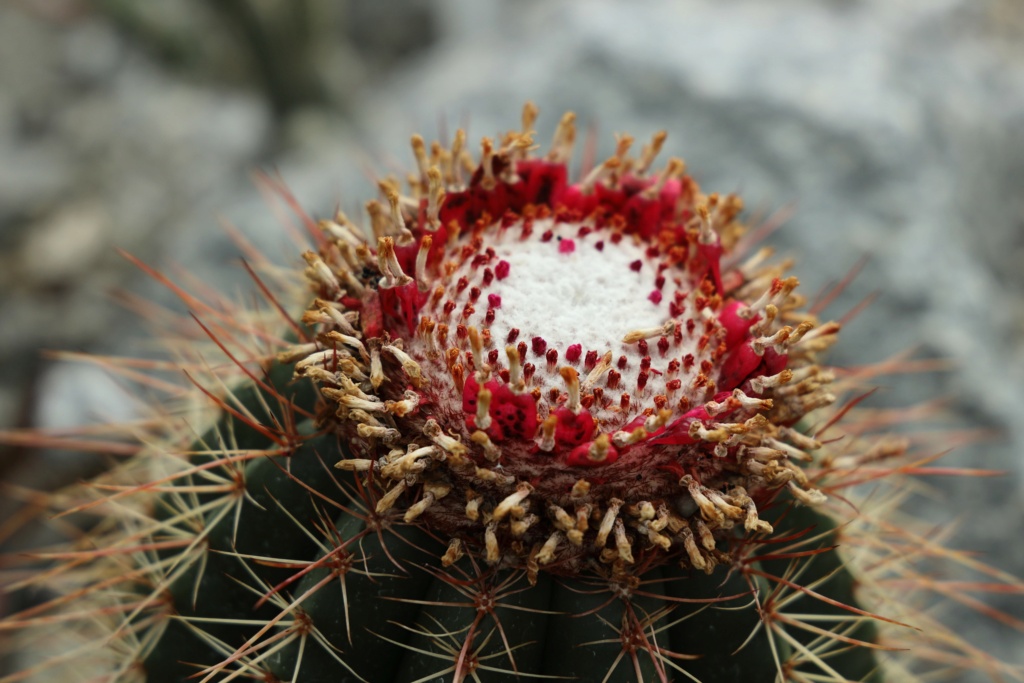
point(530, 429)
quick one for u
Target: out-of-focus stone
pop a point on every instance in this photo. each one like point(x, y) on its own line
point(63, 247)
point(92, 51)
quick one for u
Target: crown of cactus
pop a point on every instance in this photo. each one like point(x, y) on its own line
point(529, 429)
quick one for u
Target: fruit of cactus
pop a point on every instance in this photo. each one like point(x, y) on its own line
point(526, 428)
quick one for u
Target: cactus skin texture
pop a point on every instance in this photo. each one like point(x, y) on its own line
point(529, 430)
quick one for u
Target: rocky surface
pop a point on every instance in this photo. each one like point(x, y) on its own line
point(897, 129)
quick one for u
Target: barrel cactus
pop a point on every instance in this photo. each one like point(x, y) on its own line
point(518, 427)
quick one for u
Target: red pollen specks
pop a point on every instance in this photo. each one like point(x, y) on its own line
point(513, 334)
point(528, 370)
point(488, 276)
point(582, 455)
point(538, 345)
point(654, 297)
point(470, 390)
point(573, 353)
point(566, 246)
point(494, 301)
point(513, 415)
point(635, 266)
point(774, 362)
point(516, 414)
point(712, 254)
point(502, 269)
point(573, 428)
point(736, 327)
point(663, 345)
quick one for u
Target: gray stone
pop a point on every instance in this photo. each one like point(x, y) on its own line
point(61, 248)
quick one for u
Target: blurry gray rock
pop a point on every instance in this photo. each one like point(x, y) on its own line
point(98, 149)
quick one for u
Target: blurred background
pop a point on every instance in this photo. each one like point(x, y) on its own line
point(895, 129)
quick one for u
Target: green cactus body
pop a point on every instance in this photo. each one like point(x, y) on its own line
point(530, 429)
